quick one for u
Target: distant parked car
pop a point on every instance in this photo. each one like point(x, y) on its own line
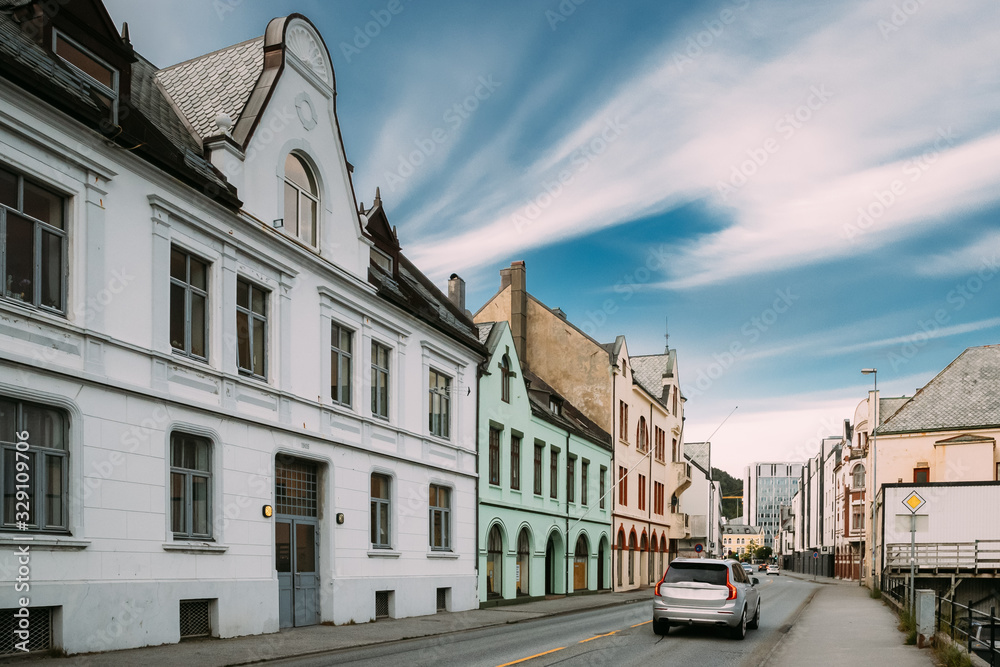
point(773, 569)
point(706, 591)
point(748, 568)
point(979, 632)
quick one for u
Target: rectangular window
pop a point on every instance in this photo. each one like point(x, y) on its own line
point(190, 486)
point(440, 518)
point(571, 479)
point(584, 469)
point(623, 420)
point(515, 462)
point(539, 453)
point(439, 400)
point(380, 380)
point(642, 492)
point(601, 488)
point(622, 486)
point(33, 242)
point(554, 474)
point(341, 361)
point(661, 439)
point(674, 453)
point(188, 304)
point(494, 456)
point(251, 329)
point(34, 467)
point(380, 507)
point(102, 77)
point(921, 475)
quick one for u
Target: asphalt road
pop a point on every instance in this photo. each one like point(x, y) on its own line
point(612, 636)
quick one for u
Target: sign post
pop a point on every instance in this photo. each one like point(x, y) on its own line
point(815, 563)
point(913, 502)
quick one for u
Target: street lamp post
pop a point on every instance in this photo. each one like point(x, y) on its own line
point(874, 416)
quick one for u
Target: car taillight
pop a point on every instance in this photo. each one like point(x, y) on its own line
point(656, 591)
point(732, 589)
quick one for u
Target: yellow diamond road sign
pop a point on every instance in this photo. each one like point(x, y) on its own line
point(913, 501)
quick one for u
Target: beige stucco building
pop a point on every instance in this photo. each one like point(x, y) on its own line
point(635, 398)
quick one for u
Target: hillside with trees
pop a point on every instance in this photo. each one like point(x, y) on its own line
point(731, 486)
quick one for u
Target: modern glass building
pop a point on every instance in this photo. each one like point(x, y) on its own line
point(766, 487)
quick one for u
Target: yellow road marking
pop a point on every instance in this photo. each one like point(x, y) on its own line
point(590, 639)
point(643, 623)
point(531, 657)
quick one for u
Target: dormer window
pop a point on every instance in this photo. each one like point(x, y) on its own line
point(102, 77)
point(555, 406)
point(301, 200)
point(382, 260)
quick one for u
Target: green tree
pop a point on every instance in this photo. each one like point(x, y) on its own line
point(730, 486)
point(765, 552)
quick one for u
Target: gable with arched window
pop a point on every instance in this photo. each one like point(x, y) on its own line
point(642, 435)
point(302, 203)
point(858, 476)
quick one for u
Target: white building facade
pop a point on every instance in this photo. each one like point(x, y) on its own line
point(231, 428)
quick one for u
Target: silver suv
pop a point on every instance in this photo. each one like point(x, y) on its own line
point(706, 591)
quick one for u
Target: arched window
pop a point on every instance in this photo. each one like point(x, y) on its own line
point(301, 200)
point(631, 558)
point(505, 379)
point(859, 476)
point(621, 554)
point(523, 562)
point(642, 435)
point(494, 563)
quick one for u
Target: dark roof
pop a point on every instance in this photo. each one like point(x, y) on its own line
point(570, 418)
point(217, 82)
point(148, 125)
point(965, 395)
point(649, 371)
point(887, 407)
point(485, 329)
point(417, 295)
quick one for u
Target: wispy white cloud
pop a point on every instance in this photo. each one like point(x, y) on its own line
point(981, 254)
point(878, 104)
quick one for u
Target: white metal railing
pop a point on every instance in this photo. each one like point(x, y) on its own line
point(978, 555)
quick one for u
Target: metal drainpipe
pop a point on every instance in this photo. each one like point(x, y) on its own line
point(649, 493)
point(566, 568)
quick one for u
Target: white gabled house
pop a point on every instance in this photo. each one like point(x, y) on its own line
point(244, 408)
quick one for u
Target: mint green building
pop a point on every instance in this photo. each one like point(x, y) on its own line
point(544, 477)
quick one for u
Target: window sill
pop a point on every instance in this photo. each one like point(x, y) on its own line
point(445, 555)
point(383, 553)
point(44, 542)
point(195, 547)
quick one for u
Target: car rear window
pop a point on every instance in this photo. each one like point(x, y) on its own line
point(704, 573)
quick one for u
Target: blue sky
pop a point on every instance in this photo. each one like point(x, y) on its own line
point(802, 189)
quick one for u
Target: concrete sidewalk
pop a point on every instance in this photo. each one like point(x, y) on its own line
point(844, 626)
point(322, 638)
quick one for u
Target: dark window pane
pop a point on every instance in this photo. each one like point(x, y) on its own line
point(259, 341)
point(53, 492)
point(178, 265)
point(8, 189)
point(177, 503)
point(383, 524)
point(298, 173)
point(202, 449)
point(85, 62)
point(8, 421)
point(291, 209)
point(307, 223)
point(283, 546)
point(199, 274)
point(243, 339)
point(177, 317)
point(44, 426)
point(51, 270)
point(43, 205)
point(199, 329)
point(10, 482)
point(374, 522)
point(345, 380)
point(20, 253)
point(258, 301)
point(305, 547)
point(345, 340)
point(335, 377)
point(242, 294)
point(199, 503)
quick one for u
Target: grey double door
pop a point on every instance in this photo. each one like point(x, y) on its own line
point(296, 548)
